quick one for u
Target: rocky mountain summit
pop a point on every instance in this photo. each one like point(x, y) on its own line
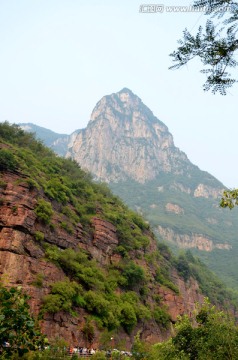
point(84, 257)
point(124, 140)
point(128, 147)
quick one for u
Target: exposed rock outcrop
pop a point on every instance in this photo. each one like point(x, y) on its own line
point(174, 208)
point(127, 146)
point(189, 241)
point(125, 140)
point(207, 191)
point(22, 261)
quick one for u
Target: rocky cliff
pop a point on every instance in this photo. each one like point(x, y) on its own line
point(126, 146)
point(82, 255)
point(22, 259)
point(124, 140)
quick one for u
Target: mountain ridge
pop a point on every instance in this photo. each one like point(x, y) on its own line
point(122, 118)
point(126, 146)
point(83, 256)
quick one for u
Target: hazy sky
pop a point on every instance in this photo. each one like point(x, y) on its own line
point(59, 57)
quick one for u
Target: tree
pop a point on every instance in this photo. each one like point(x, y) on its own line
point(88, 332)
point(229, 198)
point(216, 45)
point(18, 331)
point(140, 349)
point(210, 334)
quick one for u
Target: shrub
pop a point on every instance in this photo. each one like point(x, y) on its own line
point(44, 211)
point(99, 355)
point(88, 332)
point(52, 303)
point(8, 161)
point(32, 184)
point(66, 227)
point(95, 302)
point(69, 213)
point(182, 265)
point(52, 253)
point(38, 282)
point(14, 209)
point(128, 317)
point(39, 236)
point(62, 297)
point(143, 312)
point(122, 251)
point(138, 220)
point(56, 190)
point(161, 316)
point(140, 349)
point(134, 274)
point(162, 278)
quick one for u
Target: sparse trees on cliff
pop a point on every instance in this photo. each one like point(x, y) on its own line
point(216, 45)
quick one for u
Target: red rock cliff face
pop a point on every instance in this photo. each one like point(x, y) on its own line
point(22, 260)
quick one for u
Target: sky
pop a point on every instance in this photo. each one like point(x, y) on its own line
point(58, 58)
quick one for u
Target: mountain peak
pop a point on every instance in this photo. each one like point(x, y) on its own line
point(124, 140)
point(126, 91)
point(123, 101)
point(128, 97)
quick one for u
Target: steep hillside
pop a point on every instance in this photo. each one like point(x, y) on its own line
point(125, 145)
point(83, 256)
point(55, 141)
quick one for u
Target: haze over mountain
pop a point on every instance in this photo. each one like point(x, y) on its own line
point(126, 146)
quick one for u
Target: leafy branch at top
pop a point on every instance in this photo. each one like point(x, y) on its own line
point(215, 45)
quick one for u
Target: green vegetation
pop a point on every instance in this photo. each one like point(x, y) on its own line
point(211, 334)
point(44, 211)
point(190, 266)
point(229, 199)
point(198, 215)
point(8, 161)
point(17, 327)
point(39, 236)
point(66, 227)
point(63, 295)
point(161, 317)
point(215, 45)
point(162, 276)
point(121, 294)
point(49, 138)
point(133, 274)
point(88, 332)
point(94, 290)
point(38, 282)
